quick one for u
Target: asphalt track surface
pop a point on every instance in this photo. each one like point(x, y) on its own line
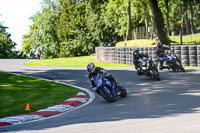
point(171, 105)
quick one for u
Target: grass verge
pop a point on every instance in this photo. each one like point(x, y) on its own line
point(192, 39)
point(81, 61)
point(191, 67)
point(16, 91)
point(137, 43)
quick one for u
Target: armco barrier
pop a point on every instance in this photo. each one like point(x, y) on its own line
point(188, 54)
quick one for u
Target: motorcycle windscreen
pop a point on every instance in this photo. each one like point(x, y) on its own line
point(97, 80)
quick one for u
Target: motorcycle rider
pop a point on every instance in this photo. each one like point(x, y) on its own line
point(136, 57)
point(93, 71)
point(160, 53)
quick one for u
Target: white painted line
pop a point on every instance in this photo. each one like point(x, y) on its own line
point(33, 117)
point(59, 108)
point(81, 93)
point(10, 120)
point(20, 118)
point(82, 100)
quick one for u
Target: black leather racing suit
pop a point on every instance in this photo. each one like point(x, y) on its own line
point(136, 62)
point(160, 53)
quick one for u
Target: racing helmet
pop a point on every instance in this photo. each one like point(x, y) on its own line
point(136, 54)
point(90, 67)
point(159, 45)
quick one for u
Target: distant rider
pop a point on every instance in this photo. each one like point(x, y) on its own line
point(160, 53)
point(38, 53)
point(136, 57)
point(93, 71)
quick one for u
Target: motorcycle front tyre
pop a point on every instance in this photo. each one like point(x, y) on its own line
point(108, 97)
point(155, 74)
point(123, 92)
point(180, 67)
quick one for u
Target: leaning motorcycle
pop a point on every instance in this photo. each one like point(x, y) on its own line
point(173, 62)
point(148, 68)
point(107, 89)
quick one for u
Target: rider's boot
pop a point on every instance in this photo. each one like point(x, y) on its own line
point(109, 76)
point(161, 65)
point(167, 67)
point(116, 83)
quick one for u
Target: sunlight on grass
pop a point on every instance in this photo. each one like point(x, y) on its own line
point(15, 94)
point(5, 85)
point(191, 67)
point(137, 43)
point(186, 39)
point(81, 61)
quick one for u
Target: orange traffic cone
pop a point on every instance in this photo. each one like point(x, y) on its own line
point(27, 107)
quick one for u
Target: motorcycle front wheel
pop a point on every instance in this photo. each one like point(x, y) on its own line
point(180, 67)
point(155, 74)
point(108, 96)
point(123, 92)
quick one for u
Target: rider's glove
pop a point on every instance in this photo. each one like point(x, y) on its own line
point(103, 71)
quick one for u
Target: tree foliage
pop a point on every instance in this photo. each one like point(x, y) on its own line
point(75, 27)
point(7, 46)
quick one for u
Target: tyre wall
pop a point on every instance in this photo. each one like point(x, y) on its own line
point(188, 54)
point(185, 55)
point(198, 55)
point(177, 51)
point(193, 55)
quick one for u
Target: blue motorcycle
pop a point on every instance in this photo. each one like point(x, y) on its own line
point(173, 62)
point(107, 89)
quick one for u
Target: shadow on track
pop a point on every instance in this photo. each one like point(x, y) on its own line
point(175, 94)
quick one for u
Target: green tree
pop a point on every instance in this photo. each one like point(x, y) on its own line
point(83, 27)
point(75, 27)
point(73, 31)
point(99, 25)
point(129, 22)
point(7, 46)
point(43, 32)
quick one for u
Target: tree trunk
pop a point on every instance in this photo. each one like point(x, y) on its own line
point(193, 30)
point(153, 29)
point(129, 24)
point(146, 29)
point(159, 23)
point(167, 16)
point(188, 28)
point(181, 29)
